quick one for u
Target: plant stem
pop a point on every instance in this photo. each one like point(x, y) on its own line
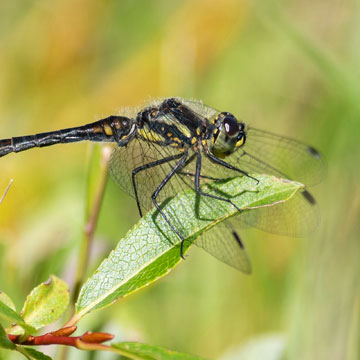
point(91, 220)
point(61, 337)
point(6, 190)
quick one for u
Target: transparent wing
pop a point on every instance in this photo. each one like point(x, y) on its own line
point(269, 153)
point(296, 217)
point(224, 243)
point(281, 156)
point(200, 108)
point(124, 160)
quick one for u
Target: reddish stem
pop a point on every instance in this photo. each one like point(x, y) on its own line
point(61, 337)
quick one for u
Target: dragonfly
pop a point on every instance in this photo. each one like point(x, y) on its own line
point(172, 144)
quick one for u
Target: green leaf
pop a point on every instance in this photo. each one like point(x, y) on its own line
point(9, 315)
point(7, 301)
point(5, 343)
point(137, 351)
point(46, 303)
point(151, 249)
point(32, 354)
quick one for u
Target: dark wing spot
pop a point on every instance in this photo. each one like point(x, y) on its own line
point(312, 151)
point(237, 238)
point(308, 197)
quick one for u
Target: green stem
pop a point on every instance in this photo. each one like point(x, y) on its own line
point(92, 216)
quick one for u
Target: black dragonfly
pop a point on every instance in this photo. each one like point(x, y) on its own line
point(172, 144)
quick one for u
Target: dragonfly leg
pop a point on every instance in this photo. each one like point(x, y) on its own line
point(186, 173)
point(216, 160)
point(173, 171)
point(307, 195)
point(197, 184)
point(149, 166)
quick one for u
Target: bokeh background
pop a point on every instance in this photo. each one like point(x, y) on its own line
point(291, 67)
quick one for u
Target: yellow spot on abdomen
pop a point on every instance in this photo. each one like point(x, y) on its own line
point(97, 130)
point(108, 130)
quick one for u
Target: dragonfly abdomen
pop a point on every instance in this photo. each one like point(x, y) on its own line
point(112, 129)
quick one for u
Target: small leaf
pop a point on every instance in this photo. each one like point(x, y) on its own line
point(46, 303)
point(96, 338)
point(66, 331)
point(9, 315)
point(32, 354)
point(5, 343)
point(7, 301)
point(151, 249)
point(135, 350)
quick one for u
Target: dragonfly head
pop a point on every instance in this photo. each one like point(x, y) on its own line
point(229, 134)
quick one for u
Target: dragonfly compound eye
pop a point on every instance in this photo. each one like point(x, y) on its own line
point(231, 125)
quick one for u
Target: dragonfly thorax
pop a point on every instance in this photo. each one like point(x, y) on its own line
point(228, 135)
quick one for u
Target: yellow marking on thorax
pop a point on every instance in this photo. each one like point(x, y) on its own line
point(150, 135)
point(216, 131)
point(183, 129)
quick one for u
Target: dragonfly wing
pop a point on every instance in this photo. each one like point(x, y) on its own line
point(124, 160)
point(281, 156)
point(294, 217)
point(224, 243)
point(200, 108)
point(269, 153)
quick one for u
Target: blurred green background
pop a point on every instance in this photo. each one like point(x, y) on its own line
point(290, 67)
